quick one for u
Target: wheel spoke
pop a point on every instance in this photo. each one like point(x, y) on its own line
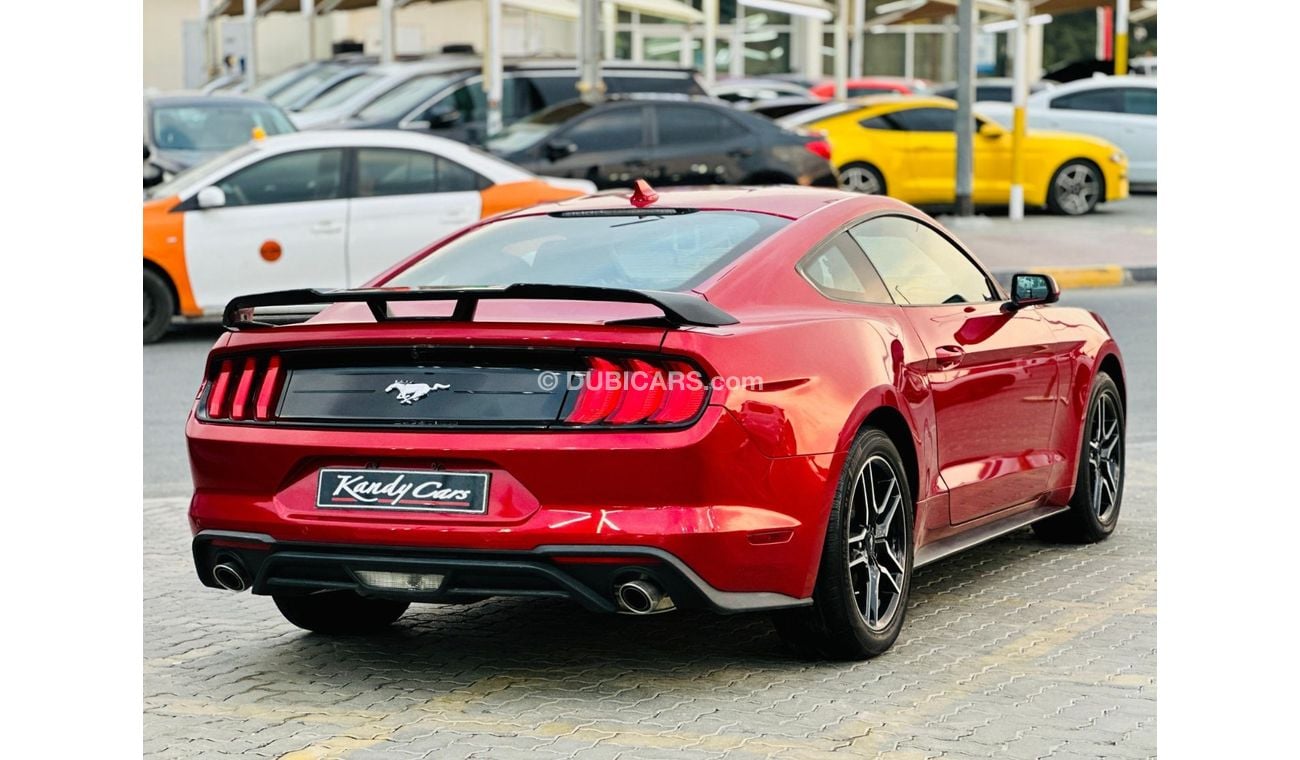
point(873, 595)
point(889, 552)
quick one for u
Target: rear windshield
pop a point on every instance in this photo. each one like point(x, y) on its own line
point(638, 250)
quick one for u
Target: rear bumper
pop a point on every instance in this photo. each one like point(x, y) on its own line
point(705, 495)
point(585, 574)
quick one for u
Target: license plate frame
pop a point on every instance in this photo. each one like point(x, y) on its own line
point(402, 490)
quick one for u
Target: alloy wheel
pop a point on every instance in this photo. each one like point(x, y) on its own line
point(1077, 188)
point(877, 551)
point(1105, 457)
point(860, 180)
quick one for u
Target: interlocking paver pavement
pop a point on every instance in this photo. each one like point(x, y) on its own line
point(1016, 649)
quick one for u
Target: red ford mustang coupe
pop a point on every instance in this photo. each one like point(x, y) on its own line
point(779, 399)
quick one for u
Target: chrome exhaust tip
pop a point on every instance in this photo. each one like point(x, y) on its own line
point(229, 577)
point(641, 597)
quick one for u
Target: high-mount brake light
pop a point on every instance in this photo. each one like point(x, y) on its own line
point(638, 392)
point(245, 389)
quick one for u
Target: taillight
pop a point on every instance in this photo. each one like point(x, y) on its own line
point(820, 148)
point(244, 389)
point(638, 392)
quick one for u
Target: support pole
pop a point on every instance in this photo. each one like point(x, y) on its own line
point(710, 9)
point(209, 51)
point(1121, 37)
point(309, 15)
point(387, 54)
point(858, 38)
point(609, 30)
point(736, 67)
point(842, 50)
point(591, 88)
point(965, 126)
point(1019, 97)
point(492, 68)
point(250, 55)
point(909, 52)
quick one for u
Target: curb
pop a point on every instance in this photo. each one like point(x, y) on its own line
point(1074, 278)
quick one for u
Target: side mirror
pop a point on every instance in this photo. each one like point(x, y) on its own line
point(211, 197)
point(991, 130)
point(557, 149)
point(1033, 289)
point(147, 152)
point(445, 119)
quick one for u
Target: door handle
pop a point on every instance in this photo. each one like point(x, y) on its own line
point(947, 357)
point(740, 152)
point(326, 228)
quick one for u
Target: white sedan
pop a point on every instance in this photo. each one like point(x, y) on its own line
point(328, 209)
point(1121, 110)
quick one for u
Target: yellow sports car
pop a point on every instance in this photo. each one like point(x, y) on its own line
point(906, 147)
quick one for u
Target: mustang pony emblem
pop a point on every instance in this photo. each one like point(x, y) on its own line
point(409, 393)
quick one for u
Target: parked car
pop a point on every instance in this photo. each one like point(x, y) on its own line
point(991, 89)
point(669, 141)
point(777, 108)
point(907, 148)
point(300, 86)
point(283, 88)
point(1121, 110)
point(454, 105)
point(871, 86)
point(749, 90)
point(341, 102)
point(316, 209)
point(548, 406)
point(183, 130)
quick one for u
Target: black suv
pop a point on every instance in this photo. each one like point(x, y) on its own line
point(457, 109)
point(666, 140)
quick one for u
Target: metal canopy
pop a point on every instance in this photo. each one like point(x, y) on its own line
point(567, 9)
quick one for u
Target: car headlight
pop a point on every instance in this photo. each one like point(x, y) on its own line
point(1118, 157)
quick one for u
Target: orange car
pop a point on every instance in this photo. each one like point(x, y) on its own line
point(316, 209)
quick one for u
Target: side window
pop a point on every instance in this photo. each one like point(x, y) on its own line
point(555, 88)
point(1140, 100)
point(615, 129)
point(519, 98)
point(925, 119)
point(878, 122)
point(454, 178)
point(309, 175)
point(385, 171)
point(389, 171)
point(1105, 99)
point(688, 125)
point(464, 104)
point(840, 271)
point(918, 265)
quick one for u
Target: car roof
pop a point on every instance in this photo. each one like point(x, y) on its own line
point(787, 201)
point(363, 138)
point(196, 99)
point(1099, 82)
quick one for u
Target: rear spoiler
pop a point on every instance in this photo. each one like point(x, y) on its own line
point(680, 309)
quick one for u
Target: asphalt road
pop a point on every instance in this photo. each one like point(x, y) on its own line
point(174, 368)
point(1014, 649)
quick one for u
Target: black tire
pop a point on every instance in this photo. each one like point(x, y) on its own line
point(861, 177)
point(1076, 188)
point(159, 305)
point(339, 612)
point(835, 626)
point(1089, 521)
